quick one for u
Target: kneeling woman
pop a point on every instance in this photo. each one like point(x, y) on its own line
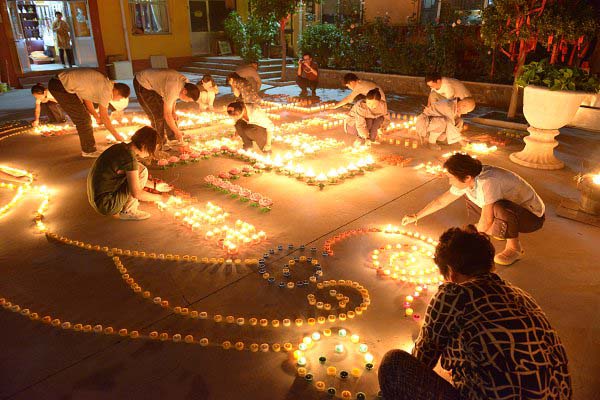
point(116, 181)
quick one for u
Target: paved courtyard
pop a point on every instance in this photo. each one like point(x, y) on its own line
point(78, 285)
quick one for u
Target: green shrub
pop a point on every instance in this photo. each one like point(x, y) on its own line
point(555, 77)
point(250, 36)
point(323, 41)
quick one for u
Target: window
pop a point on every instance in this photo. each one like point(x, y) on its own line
point(208, 16)
point(150, 17)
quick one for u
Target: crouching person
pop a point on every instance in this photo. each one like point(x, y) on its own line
point(252, 125)
point(441, 121)
point(492, 336)
point(367, 117)
point(116, 181)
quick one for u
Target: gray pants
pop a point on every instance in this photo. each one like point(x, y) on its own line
point(373, 125)
point(76, 110)
point(510, 219)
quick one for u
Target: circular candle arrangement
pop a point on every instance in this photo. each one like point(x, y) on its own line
point(336, 361)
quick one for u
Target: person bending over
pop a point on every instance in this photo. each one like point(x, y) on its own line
point(367, 117)
point(157, 91)
point(250, 73)
point(505, 203)
point(208, 91)
point(307, 75)
point(492, 336)
point(359, 88)
point(46, 103)
point(441, 121)
point(116, 181)
point(242, 89)
point(252, 125)
point(76, 91)
point(443, 88)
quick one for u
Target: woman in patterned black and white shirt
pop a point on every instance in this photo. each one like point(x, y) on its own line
point(492, 336)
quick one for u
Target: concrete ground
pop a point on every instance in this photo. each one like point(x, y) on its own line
point(561, 271)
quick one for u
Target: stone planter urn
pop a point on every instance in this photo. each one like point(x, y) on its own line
point(546, 111)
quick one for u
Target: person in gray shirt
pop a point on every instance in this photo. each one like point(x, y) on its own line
point(505, 203)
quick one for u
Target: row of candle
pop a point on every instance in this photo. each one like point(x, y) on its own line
point(412, 265)
point(229, 238)
point(294, 107)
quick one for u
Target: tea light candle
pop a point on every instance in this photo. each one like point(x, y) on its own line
point(339, 348)
point(369, 358)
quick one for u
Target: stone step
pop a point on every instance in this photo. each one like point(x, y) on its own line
point(224, 72)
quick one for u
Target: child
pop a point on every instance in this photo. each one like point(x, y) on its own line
point(44, 101)
point(208, 91)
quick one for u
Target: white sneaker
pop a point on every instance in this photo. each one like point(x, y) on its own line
point(134, 215)
point(93, 154)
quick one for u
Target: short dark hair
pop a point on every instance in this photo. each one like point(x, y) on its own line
point(432, 77)
point(465, 250)
point(38, 88)
point(373, 94)
point(207, 78)
point(145, 138)
point(57, 13)
point(463, 165)
point(238, 108)
point(123, 89)
point(306, 53)
point(192, 91)
point(350, 77)
point(233, 76)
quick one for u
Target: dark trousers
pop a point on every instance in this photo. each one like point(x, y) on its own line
point(153, 106)
point(510, 219)
point(373, 124)
point(403, 377)
point(53, 111)
point(251, 133)
point(70, 57)
point(305, 83)
point(76, 110)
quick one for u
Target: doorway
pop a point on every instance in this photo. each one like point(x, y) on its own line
point(206, 24)
point(36, 42)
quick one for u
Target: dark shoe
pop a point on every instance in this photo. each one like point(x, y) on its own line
point(303, 93)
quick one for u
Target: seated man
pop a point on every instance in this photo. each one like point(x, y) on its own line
point(505, 203)
point(250, 73)
point(492, 336)
point(252, 125)
point(442, 121)
point(76, 91)
point(243, 89)
point(307, 75)
point(157, 92)
point(359, 88)
point(443, 88)
point(45, 102)
point(367, 116)
point(208, 91)
point(115, 183)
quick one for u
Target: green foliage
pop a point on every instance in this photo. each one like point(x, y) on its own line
point(542, 73)
point(250, 36)
point(277, 9)
point(568, 20)
point(379, 46)
point(323, 41)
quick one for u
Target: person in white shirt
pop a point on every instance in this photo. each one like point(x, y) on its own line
point(77, 91)
point(359, 88)
point(367, 117)
point(250, 72)
point(44, 102)
point(252, 125)
point(506, 204)
point(441, 121)
point(208, 91)
point(445, 88)
point(157, 92)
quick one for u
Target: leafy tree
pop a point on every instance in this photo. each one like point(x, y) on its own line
point(281, 11)
point(515, 27)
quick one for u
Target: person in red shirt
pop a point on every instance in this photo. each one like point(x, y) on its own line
point(308, 75)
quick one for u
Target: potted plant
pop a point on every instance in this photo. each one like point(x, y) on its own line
point(551, 97)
